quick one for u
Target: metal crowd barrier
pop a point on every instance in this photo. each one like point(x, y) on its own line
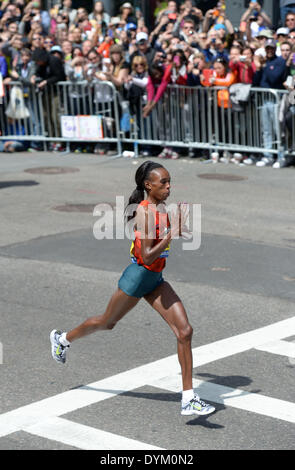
point(186, 117)
point(48, 108)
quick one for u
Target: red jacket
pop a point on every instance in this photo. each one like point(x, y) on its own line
point(243, 72)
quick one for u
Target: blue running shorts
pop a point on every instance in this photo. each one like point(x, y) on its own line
point(138, 281)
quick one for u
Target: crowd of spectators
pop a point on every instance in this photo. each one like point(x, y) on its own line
point(41, 48)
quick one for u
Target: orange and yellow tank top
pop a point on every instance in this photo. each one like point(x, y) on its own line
point(160, 220)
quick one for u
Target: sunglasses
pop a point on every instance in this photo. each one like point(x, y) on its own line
point(139, 63)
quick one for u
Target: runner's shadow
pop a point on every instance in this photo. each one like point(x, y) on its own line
point(9, 184)
point(232, 381)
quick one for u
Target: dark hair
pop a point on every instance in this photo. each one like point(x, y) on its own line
point(180, 53)
point(93, 51)
point(40, 55)
point(156, 67)
point(223, 61)
point(141, 175)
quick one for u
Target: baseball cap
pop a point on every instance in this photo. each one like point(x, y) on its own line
point(130, 26)
point(219, 26)
point(56, 49)
point(265, 33)
point(127, 5)
point(142, 37)
point(270, 43)
point(283, 31)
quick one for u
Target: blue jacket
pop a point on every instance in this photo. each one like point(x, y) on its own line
point(272, 75)
point(3, 67)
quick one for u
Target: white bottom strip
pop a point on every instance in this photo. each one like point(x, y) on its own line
point(234, 397)
point(84, 437)
point(283, 348)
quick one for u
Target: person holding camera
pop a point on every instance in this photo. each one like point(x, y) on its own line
point(270, 75)
point(244, 66)
point(22, 72)
point(49, 71)
point(11, 49)
point(254, 20)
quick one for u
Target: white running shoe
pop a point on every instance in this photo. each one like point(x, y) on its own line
point(280, 164)
point(58, 351)
point(248, 161)
point(264, 162)
point(196, 407)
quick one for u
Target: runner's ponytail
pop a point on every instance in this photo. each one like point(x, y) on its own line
point(141, 176)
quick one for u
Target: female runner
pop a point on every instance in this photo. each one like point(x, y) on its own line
point(143, 278)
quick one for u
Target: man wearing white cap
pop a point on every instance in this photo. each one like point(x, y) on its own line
point(143, 48)
point(282, 35)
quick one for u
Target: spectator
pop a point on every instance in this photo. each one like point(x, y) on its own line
point(136, 83)
point(76, 70)
point(143, 48)
point(222, 77)
point(48, 43)
point(105, 47)
point(291, 37)
point(57, 52)
point(94, 64)
point(175, 73)
point(67, 8)
point(49, 71)
point(11, 49)
point(86, 47)
point(67, 48)
point(22, 72)
point(3, 64)
point(195, 68)
point(290, 21)
point(37, 41)
point(119, 68)
point(286, 6)
point(285, 50)
point(272, 75)
point(100, 17)
point(49, 68)
point(262, 37)
point(127, 14)
point(256, 20)
point(281, 35)
point(136, 86)
point(217, 16)
point(244, 66)
point(215, 47)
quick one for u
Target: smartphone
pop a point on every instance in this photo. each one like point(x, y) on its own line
point(243, 58)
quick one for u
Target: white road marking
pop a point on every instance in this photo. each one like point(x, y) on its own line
point(38, 412)
point(84, 437)
point(283, 348)
point(237, 398)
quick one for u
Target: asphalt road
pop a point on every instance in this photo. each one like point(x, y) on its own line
point(121, 389)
